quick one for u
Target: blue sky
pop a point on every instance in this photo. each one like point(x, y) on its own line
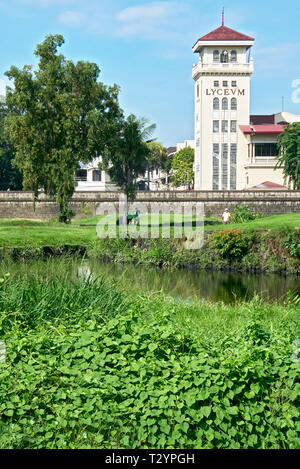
point(146, 48)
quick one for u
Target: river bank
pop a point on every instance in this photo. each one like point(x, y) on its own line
point(247, 247)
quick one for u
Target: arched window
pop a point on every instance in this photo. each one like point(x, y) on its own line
point(216, 56)
point(225, 104)
point(233, 104)
point(233, 56)
point(224, 56)
point(216, 104)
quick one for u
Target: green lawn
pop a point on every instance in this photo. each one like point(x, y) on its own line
point(23, 233)
point(290, 220)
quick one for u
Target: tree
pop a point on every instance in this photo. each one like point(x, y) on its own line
point(10, 176)
point(182, 164)
point(126, 157)
point(59, 116)
point(156, 157)
point(289, 154)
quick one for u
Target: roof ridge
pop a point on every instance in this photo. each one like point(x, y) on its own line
point(223, 33)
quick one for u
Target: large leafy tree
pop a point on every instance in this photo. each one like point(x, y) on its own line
point(126, 157)
point(59, 115)
point(182, 165)
point(10, 176)
point(289, 154)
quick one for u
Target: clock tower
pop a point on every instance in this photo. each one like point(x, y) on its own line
point(222, 104)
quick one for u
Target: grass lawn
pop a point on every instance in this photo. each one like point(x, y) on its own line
point(23, 233)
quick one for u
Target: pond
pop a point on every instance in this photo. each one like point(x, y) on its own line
point(181, 284)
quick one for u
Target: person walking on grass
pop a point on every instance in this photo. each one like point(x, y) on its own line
point(226, 217)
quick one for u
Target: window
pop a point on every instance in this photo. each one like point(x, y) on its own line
point(216, 126)
point(234, 84)
point(224, 56)
point(225, 84)
point(233, 56)
point(233, 104)
point(96, 175)
point(216, 157)
point(216, 104)
point(81, 175)
point(224, 164)
point(224, 126)
point(216, 84)
point(266, 149)
point(233, 153)
point(197, 90)
point(233, 126)
point(216, 56)
point(225, 104)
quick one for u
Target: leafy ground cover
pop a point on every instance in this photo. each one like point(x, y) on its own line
point(91, 366)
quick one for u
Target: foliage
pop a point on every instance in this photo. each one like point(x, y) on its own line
point(291, 241)
point(232, 244)
point(182, 165)
point(58, 116)
point(10, 176)
point(289, 153)
point(241, 214)
point(127, 156)
point(89, 371)
point(156, 155)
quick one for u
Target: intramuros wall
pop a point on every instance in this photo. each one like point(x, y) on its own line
point(20, 204)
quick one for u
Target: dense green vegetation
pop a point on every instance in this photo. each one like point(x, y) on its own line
point(10, 176)
point(289, 153)
point(91, 366)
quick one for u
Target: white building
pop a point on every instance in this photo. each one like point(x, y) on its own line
point(234, 150)
point(90, 178)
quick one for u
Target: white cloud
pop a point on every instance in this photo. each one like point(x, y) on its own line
point(154, 20)
point(48, 3)
point(71, 18)
point(281, 57)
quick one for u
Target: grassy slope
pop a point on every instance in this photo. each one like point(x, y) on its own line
point(22, 233)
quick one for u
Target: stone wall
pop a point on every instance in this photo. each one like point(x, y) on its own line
point(20, 204)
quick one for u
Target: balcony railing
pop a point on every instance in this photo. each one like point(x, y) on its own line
point(223, 67)
point(267, 160)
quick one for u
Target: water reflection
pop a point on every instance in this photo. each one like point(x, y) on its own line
point(213, 286)
point(187, 284)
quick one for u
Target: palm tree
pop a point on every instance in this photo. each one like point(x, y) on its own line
point(127, 156)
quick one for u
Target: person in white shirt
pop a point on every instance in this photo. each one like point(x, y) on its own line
point(226, 217)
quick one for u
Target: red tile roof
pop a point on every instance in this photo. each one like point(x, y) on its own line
point(225, 34)
point(265, 129)
point(269, 185)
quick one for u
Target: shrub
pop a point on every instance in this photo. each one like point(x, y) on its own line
point(232, 244)
point(241, 214)
point(291, 242)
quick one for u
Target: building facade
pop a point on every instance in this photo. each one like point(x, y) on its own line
point(233, 150)
point(90, 178)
